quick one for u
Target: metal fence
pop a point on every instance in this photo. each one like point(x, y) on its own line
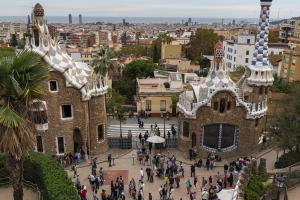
point(118, 142)
point(28, 184)
point(292, 178)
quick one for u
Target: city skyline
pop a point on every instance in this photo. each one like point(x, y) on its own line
point(155, 8)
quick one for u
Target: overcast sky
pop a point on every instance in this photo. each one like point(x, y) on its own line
point(152, 8)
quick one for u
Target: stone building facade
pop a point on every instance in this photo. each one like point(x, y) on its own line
point(74, 113)
point(222, 117)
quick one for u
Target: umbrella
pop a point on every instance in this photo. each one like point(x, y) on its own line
point(155, 139)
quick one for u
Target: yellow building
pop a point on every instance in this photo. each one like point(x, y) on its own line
point(172, 50)
point(291, 59)
point(154, 95)
point(181, 65)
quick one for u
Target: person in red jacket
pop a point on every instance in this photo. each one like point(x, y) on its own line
point(83, 193)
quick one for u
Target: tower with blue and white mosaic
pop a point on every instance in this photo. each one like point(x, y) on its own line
point(225, 117)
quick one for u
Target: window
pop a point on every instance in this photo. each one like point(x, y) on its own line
point(256, 122)
point(248, 41)
point(162, 105)
point(60, 145)
point(286, 59)
point(100, 132)
point(185, 130)
point(234, 59)
point(272, 52)
point(246, 60)
point(293, 61)
point(216, 105)
point(284, 70)
point(53, 86)
point(39, 117)
point(228, 105)
point(222, 105)
point(292, 73)
point(219, 137)
point(66, 112)
point(234, 51)
point(247, 52)
point(39, 144)
point(148, 105)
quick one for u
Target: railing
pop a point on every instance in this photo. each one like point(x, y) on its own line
point(41, 127)
point(235, 194)
point(34, 187)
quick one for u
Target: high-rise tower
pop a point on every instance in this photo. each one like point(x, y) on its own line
point(80, 19)
point(70, 19)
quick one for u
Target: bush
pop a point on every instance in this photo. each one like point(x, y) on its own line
point(51, 178)
point(255, 189)
point(288, 159)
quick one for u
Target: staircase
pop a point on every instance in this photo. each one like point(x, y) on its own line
point(240, 86)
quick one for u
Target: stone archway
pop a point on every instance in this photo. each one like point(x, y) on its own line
point(193, 140)
point(77, 139)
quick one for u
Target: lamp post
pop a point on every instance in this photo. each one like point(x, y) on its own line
point(164, 118)
point(280, 184)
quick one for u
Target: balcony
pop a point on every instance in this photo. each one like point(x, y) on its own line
point(41, 127)
point(287, 25)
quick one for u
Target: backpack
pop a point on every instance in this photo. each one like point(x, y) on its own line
point(97, 180)
point(211, 191)
point(73, 168)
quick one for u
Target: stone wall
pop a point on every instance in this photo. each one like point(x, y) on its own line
point(86, 116)
point(248, 132)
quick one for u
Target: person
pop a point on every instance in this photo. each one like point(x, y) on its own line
point(218, 176)
point(192, 170)
point(171, 180)
point(75, 171)
point(203, 182)
point(161, 115)
point(146, 159)
point(164, 193)
point(199, 163)
point(169, 135)
point(109, 160)
point(103, 195)
point(191, 154)
point(83, 193)
point(151, 175)
point(204, 195)
point(122, 196)
point(150, 147)
point(171, 197)
point(150, 196)
point(177, 180)
point(225, 180)
point(211, 191)
point(148, 171)
point(264, 144)
point(181, 170)
point(142, 174)
point(188, 186)
point(225, 168)
point(195, 181)
point(191, 196)
point(160, 191)
point(210, 180)
point(230, 179)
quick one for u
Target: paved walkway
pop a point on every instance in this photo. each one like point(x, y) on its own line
point(293, 194)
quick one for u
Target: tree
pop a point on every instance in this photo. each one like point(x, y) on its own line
point(113, 101)
point(1, 42)
point(102, 62)
point(20, 80)
point(280, 86)
point(202, 42)
point(125, 86)
point(140, 69)
point(272, 38)
point(122, 118)
point(14, 41)
point(135, 51)
point(174, 100)
point(240, 69)
point(286, 130)
point(155, 54)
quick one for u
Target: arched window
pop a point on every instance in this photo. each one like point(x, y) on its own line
point(256, 122)
point(216, 105)
point(228, 105)
point(36, 37)
point(185, 130)
point(100, 132)
point(266, 90)
point(222, 105)
point(260, 90)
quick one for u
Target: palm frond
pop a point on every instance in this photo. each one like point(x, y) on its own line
point(9, 117)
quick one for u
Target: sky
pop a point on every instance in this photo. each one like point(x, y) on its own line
point(152, 8)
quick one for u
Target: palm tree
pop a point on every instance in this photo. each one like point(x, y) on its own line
point(102, 62)
point(21, 76)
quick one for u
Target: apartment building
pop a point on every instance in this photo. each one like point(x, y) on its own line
point(288, 29)
point(172, 50)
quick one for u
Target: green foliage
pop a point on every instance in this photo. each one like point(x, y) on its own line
point(102, 62)
point(135, 51)
point(7, 52)
point(288, 159)
point(113, 101)
point(202, 43)
point(240, 69)
point(51, 178)
point(125, 86)
point(202, 61)
point(14, 41)
point(155, 54)
point(140, 69)
point(255, 189)
point(174, 100)
point(158, 42)
point(1, 42)
point(280, 86)
point(272, 38)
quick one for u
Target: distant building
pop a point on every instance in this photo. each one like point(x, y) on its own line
point(233, 22)
point(80, 19)
point(172, 50)
point(239, 52)
point(288, 29)
point(70, 19)
point(124, 21)
point(190, 20)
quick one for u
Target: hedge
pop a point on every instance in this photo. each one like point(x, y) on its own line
point(47, 173)
point(288, 159)
point(255, 189)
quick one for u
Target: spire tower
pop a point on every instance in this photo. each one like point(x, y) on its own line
point(259, 72)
